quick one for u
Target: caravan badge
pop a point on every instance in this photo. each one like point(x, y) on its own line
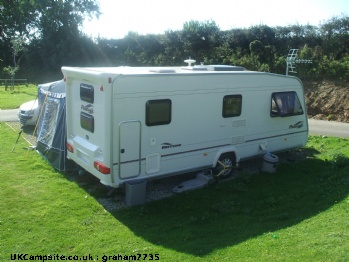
point(296, 125)
point(169, 145)
point(88, 108)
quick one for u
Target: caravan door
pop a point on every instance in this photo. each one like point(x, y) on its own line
point(129, 149)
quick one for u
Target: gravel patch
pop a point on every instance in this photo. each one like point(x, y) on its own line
point(114, 199)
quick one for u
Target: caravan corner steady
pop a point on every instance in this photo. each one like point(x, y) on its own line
point(127, 123)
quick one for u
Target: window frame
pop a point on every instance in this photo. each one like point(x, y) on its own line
point(225, 114)
point(87, 93)
point(276, 109)
point(149, 119)
point(86, 118)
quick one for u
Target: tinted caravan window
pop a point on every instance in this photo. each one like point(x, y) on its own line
point(285, 104)
point(87, 122)
point(87, 93)
point(158, 112)
point(232, 105)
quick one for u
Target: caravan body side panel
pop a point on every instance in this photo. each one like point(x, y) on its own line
point(198, 133)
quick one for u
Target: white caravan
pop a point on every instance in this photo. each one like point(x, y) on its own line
point(128, 123)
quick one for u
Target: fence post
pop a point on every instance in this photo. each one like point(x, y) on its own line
point(6, 82)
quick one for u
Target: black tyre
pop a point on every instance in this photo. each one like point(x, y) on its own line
point(225, 166)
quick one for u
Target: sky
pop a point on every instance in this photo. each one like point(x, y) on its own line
point(157, 16)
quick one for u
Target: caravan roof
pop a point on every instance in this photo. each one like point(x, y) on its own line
point(127, 70)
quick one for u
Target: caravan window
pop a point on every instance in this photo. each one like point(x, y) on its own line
point(232, 105)
point(285, 104)
point(87, 122)
point(158, 112)
point(87, 93)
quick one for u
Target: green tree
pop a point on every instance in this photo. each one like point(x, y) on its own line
point(335, 35)
point(199, 38)
point(263, 33)
point(263, 56)
point(59, 33)
point(16, 20)
point(173, 48)
point(18, 46)
point(51, 28)
point(237, 38)
point(256, 48)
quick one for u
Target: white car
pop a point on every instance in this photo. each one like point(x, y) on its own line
point(28, 113)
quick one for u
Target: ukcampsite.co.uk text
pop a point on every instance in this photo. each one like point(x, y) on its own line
point(104, 258)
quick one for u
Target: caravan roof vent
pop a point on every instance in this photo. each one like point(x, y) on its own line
point(162, 70)
point(195, 68)
point(225, 68)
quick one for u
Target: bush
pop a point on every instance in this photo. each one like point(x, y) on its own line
point(335, 69)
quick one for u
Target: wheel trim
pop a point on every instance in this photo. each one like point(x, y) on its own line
point(226, 165)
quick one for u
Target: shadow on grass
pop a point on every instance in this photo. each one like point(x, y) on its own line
point(229, 213)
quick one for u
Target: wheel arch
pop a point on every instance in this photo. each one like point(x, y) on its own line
point(232, 151)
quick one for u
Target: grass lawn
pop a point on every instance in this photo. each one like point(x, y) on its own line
point(300, 213)
point(21, 93)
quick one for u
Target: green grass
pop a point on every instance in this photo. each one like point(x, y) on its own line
point(300, 213)
point(21, 93)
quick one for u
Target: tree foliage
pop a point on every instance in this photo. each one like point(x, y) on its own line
point(51, 28)
point(52, 33)
point(18, 46)
point(260, 47)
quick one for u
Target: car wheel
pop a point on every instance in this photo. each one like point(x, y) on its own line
point(224, 166)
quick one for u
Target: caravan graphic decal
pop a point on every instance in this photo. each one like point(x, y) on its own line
point(169, 145)
point(296, 125)
point(88, 108)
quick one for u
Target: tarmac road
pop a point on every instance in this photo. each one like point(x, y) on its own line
point(8, 115)
point(316, 127)
point(328, 128)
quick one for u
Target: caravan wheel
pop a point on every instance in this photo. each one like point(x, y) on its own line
point(224, 166)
